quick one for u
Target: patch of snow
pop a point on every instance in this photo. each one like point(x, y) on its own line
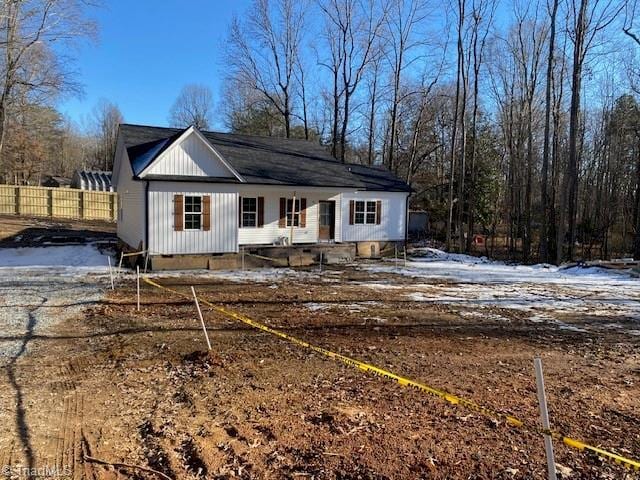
point(482, 314)
point(377, 319)
point(429, 263)
point(351, 307)
point(75, 256)
point(314, 307)
point(258, 275)
point(544, 293)
point(381, 286)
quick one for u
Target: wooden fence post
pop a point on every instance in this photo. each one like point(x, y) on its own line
point(112, 206)
point(50, 203)
point(81, 204)
point(17, 200)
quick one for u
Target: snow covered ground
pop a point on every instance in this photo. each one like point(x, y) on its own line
point(41, 286)
point(543, 293)
point(429, 263)
point(67, 257)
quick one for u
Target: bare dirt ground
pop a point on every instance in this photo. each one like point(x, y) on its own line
point(138, 388)
point(33, 231)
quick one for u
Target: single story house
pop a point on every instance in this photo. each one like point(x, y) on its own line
point(185, 191)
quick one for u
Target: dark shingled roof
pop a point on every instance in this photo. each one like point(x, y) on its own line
point(262, 160)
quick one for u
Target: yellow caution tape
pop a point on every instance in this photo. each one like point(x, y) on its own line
point(406, 382)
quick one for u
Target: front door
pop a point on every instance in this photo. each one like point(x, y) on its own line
point(327, 221)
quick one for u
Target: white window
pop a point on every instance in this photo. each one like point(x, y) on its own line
point(192, 212)
point(365, 212)
point(249, 212)
point(296, 214)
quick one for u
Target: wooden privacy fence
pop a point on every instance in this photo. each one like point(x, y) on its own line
point(58, 203)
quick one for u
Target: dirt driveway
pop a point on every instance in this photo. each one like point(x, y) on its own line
point(137, 388)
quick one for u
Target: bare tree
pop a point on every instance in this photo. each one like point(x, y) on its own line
point(194, 106)
point(628, 29)
point(263, 53)
point(30, 66)
point(482, 15)
point(546, 202)
point(459, 114)
point(106, 118)
point(354, 27)
point(404, 18)
point(589, 17)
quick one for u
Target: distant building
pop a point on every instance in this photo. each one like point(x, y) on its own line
point(55, 181)
point(95, 180)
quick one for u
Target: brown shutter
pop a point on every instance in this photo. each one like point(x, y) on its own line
point(206, 212)
point(303, 212)
point(239, 212)
point(260, 212)
point(352, 210)
point(378, 211)
point(282, 223)
point(178, 212)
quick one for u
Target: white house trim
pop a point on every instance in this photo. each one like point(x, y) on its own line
point(192, 131)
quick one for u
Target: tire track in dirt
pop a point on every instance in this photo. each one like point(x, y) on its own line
point(68, 445)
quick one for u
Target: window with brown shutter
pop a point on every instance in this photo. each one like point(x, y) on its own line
point(303, 212)
point(239, 212)
point(178, 212)
point(378, 211)
point(282, 221)
point(293, 212)
point(206, 212)
point(260, 212)
point(352, 211)
point(366, 212)
point(249, 208)
point(193, 217)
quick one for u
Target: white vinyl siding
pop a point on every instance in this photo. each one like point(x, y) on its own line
point(131, 220)
point(190, 157)
point(392, 218)
point(221, 238)
point(270, 232)
point(226, 236)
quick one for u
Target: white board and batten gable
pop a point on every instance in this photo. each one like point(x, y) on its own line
point(191, 155)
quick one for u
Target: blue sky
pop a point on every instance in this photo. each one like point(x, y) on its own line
point(146, 51)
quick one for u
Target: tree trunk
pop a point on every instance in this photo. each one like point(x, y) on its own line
point(454, 130)
point(574, 119)
point(372, 119)
point(546, 207)
point(394, 120)
point(345, 123)
point(636, 212)
point(336, 113)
